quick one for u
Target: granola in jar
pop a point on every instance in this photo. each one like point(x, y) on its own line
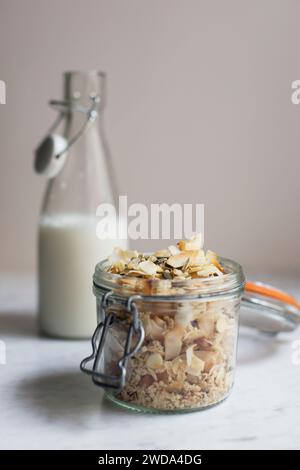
point(187, 302)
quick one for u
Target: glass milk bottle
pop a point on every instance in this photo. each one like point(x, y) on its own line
point(68, 246)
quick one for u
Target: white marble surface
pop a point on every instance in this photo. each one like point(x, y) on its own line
point(46, 402)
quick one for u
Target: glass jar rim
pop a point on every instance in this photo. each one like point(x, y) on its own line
point(165, 289)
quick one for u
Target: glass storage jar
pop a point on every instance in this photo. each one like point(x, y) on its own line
point(166, 345)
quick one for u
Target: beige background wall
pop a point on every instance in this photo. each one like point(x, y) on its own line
point(198, 110)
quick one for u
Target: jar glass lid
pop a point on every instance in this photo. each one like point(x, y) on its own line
point(269, 309)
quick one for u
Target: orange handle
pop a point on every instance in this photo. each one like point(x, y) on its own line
point(272, 292)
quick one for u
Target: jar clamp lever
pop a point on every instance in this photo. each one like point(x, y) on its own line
point(98, 342)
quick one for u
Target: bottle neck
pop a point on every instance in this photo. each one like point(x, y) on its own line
point(80, 87)
point(85, 179)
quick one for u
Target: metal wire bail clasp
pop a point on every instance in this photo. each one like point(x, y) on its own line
point(98, 344)
point(51, 154)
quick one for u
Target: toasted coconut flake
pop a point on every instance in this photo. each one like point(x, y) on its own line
point(217, 264)
point(162, 254)
point(209, 271)
point(175, 387)
point(135, 272)
point(123, 255)
point(195, 269)
point(197, 257)
point(222, 324)
point(133, 264)
point(173, 250)
point(184, 315)
point(211, 256)
point(195, 364)
point(210, 358)
point(206, 326)
point(189, 355)
point(186, 264)
point(154, 329)
point(159, 321)
point(212, 259)
point(173, 342)
point(204, 344)
point(195, 243)
point(177, 272)
point(119, 266)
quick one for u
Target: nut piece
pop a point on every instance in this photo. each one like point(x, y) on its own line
point(146, 381)
point(154, 361)
point(222, 324)
point(148, 267)
point(175, 387)
point(177, 261)
point(196, 367)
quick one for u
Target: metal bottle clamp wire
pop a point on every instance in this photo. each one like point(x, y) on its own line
point(98, 340)
point(279, 305)
point(65, 107)
point(51, 153)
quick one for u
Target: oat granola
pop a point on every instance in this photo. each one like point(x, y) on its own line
point(187, 358)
